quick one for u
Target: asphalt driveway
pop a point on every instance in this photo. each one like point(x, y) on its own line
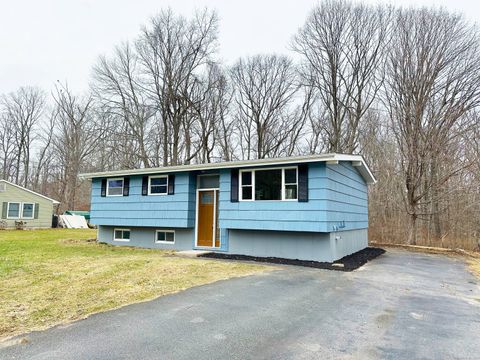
point(402, 305)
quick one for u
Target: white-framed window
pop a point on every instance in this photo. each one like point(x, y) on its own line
point(28, 210)
point(246, 185)
point(278, 184)
point(115, 187)
point(19, 210)
point(121, 234)
point(158, 185)
point(165, 236)
point(290, 184)
point(13, 210)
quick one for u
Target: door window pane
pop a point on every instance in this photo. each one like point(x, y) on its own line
point(206, 198)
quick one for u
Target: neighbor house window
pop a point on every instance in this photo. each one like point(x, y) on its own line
point(269, 184)
point(158, 185)
point(115, 187)
point(165, 236)
point(121, 235)
point(28, 210)
point(13, 210)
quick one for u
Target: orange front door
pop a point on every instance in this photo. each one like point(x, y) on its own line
point(206, 216)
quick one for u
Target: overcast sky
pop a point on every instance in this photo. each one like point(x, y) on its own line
point(49, 40)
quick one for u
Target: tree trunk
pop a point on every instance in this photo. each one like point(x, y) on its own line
point(412, 236)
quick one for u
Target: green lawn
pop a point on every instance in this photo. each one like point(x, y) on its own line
point(53, 276)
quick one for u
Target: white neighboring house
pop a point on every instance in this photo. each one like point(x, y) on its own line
point(20, 204)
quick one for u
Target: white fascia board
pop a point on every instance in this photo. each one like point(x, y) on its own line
point(334, 158)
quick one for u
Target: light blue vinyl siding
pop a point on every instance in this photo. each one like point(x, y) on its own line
point(176, 210)
point(347, 198)
point(337, 199)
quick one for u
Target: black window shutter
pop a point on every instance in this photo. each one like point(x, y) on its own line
point(126, 186)
point(145, 186)
point(171, 184)
point(234, 185)
point(103, 193)
point(303, 183)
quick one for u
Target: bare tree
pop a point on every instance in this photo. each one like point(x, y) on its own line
point(22, 110)
point(77, 134)
point(7, 147)
point(343, 47)
point(265, 89)
point(116, 86)
point(45, 153)
point(173, 50)
point(433, 78)
point(210, 101)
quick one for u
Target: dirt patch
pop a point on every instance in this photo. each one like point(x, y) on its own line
point(77, 241)
point(347, 263)
point(430, 249)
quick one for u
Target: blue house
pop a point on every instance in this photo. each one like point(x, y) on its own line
point(307, 207)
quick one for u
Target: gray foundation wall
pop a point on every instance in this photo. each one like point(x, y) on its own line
point(145, 237)
point(297, 245)
point(348, 242)
point(313, 246)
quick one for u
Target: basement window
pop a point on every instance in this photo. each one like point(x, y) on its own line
point(121, 234)
point(165, 236)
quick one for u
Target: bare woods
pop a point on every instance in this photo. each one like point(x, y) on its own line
point(399, 85)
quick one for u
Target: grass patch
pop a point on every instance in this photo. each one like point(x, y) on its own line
point(53, 276)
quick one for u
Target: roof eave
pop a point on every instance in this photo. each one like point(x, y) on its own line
point(362, 166)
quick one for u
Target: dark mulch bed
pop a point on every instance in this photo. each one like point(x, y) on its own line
point(350, 262)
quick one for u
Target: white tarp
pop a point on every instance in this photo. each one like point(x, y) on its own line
point(72, 222)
